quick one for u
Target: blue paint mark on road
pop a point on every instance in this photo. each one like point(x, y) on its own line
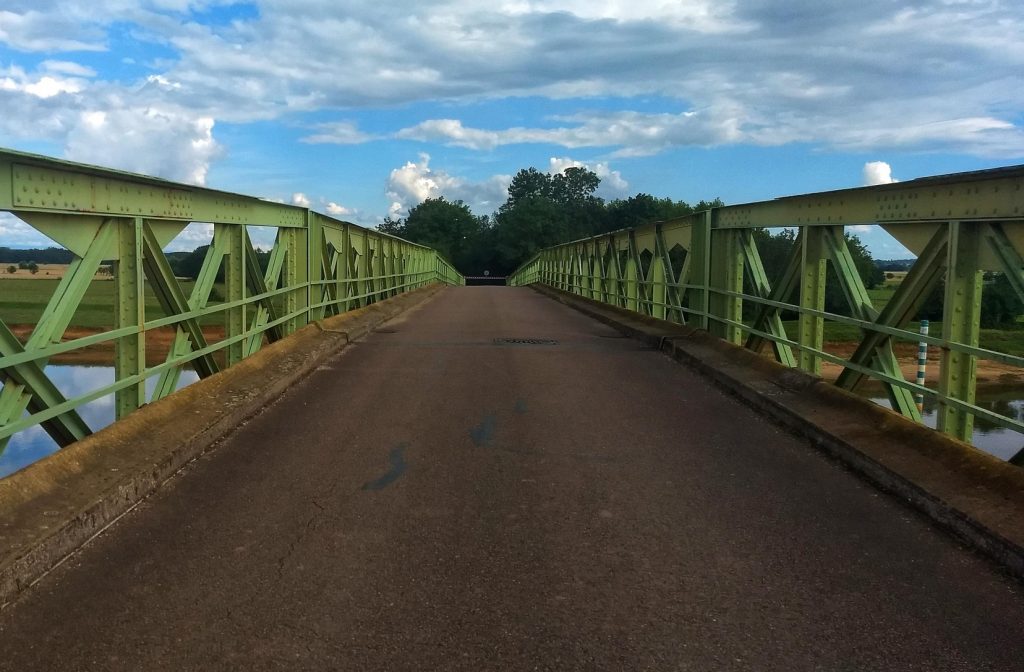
point(484, 432)
point(398, 466)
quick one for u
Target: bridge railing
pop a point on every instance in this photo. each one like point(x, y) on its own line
point(318, 266)
point(704, 269)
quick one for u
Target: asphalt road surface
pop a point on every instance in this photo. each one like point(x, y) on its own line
point(434, 499)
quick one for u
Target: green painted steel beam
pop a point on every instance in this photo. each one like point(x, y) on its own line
point(988, 194)
point(727, 261)
point(101, 214)
point(961, 317)
point(265, 312)
point(771, 319)
point(905, 303)
point(15, 399)
point(700, 267)
point(130, 312)
point(40, 394)
point(856, 294)
point(172, 299)
point(810, 327)
point(1010, 259)
point(198, 300)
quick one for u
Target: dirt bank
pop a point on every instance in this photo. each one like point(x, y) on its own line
point(992, 376)
point(158, 342)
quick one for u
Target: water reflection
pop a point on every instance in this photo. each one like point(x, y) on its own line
point(988, 436)
point(34, 443)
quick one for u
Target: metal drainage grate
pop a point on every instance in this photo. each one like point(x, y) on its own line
point(525, 341)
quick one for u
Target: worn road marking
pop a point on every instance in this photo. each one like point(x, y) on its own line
point(398, 466)
point(484, 432)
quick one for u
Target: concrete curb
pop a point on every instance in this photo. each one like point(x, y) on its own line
point(976, 496)
point(53, 507)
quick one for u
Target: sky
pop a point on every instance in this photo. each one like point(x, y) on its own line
point(363, 109)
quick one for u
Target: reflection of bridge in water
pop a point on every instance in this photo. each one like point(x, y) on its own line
point(493, 479)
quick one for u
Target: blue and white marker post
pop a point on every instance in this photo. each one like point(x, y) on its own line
point(922, 364)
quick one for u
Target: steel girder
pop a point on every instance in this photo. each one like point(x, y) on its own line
point(318, 266)
point(958, 226)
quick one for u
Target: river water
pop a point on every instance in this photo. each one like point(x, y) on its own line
point(34, 443)
point(1001, 442)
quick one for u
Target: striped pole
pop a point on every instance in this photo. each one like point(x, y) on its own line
point(922, 364)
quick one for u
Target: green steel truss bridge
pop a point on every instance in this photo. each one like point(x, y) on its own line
point(491, 479)
point(958, 226)
point(319, 266)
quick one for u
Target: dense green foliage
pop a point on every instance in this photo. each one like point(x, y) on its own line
point(188, 264)
point(541, 210)
point(49, 255)
point(1000, 303)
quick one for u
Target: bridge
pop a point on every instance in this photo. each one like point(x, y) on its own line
point(624, 459)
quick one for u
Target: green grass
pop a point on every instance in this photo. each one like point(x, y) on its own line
point(23, 301)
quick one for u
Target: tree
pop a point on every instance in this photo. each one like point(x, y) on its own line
point(1000, 303)
point(447, 226)
point(574, 185)
point(533, 224)
point(32, 267)
point(644, 209)
point(392, 227)
point(527, 183)
point(12, 269)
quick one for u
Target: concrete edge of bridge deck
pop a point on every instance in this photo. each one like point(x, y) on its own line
point(53, 507)
point(976, 496)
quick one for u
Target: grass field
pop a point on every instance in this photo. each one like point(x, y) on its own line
point(22, 302)
point(1007, 340)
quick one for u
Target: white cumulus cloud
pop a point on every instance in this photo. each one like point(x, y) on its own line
point(167, 143)
point(877, 172)
point(415, 182)
point(300, 199)
point(338, 210)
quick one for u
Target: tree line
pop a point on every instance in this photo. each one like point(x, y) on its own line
point(544, 210)
point(541, 210)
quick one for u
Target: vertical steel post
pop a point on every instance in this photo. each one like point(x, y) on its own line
point(726, 274)
point(632, 293)
point(811, 331)
point(659, 294)
point(342, 272)
point(700, 267)
point(296, 277)
point(130, 301)
point(315, 265)
point(961, 323)
point(234, 281)
point(596, 270)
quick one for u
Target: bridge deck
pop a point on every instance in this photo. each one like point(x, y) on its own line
point(430, 499)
